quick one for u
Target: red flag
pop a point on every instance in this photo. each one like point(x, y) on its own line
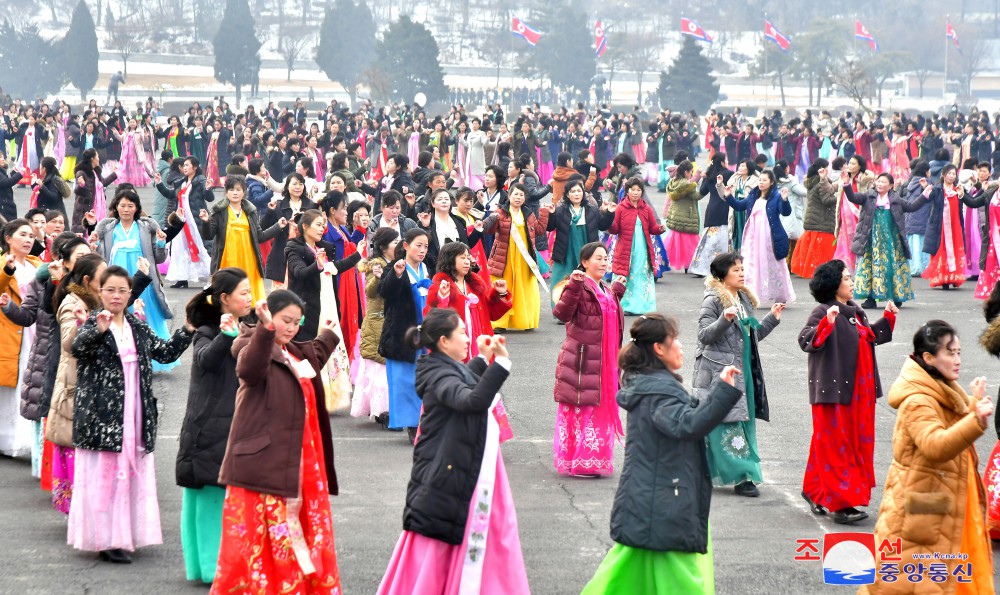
point(600, 41)
point(951, 34)
point(517, 27)
point(774, 35)
point(861, 33)
point(689, 27)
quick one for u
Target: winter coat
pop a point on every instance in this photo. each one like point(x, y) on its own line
point(500, 224)
point(449, 453)
point(218, 222)
point(400, 314)
point(797, 193)
point(7, 182)
point(11, 333)
point(98, 410)
point(211, 403)
point(681, 214)
point(717, 211)
point(53, 192)
point(160, 201)
point(932, 237)
point(34, 401)
point(596, 220)
point(199, 196)
point(151, 251)
point(264, 451)
point(469, 239)
point(475, 144)
point(276, 263)
point(562, 174)
point(59, 426)
point(665, 491)
point(821, 205)
point(86, 194)
point(536, 191)
point(304, 279)
point(495, 305)
point(624, 227)
point(578, 367)
point(371, 325)
point(915, 222)
point(720, 344)
point(833, 364)
point(258, 193)
point(866, 219)
point(813, 147)
point(775, 207)
point(933, 444)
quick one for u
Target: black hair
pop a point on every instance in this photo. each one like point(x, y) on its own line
point(381, 240)
point(52, 214)
point(424, 158)
point(410, 237)
point(10, 228)
point(861, 161)
point(445, 261)
point(564, 159)
point(932, 337)
point(279, 299)
point(498, 173)
point(166, 155)
point(683, 168)
point(826, 280)
point(293, 176)
point(838, 163)
point(626, 160)
point(391, 198)
point(194, 163)
point(205, 308)
point(30, 214)
point(333, 201)
point(588, 250)
point(919, 168)
point(64, 243)
point(238, 158)
point(401, 161)
point(638, 357)
point(128, 194)
point(518, 186)
point(114, 271)
point(439, 322)
point(234, 181)
point(86, 266)
point(817, 165)
point(306, 219)
point(572, 183)
point(722, 263)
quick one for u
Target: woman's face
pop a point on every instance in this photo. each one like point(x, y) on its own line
point(490, 179)
point(741, 170)
point(21, 241)
point(362, 218)
point(390, 213)
point(764, 185)
point(635, 193)
point(463, 264)
point(442, 203)
point(235, 194)
point(597, 265)
point(416, 250)
point(339, 214)
point(846, 290)
point(337, 183)
point(187, 169)
point(77, 252)
point(512, 171)
point(950, 176)
point(882, 185)
point(314, 231)
point(390, 166)
point(735, 278)
point(575, 194)
point(464, 203)
point(671, 353)
point(455, 345)
point(95, 160)
point(390, 250)
point(115, 293)
point(38, 225)
point(56, 226)
point(126, 209)
point(239, 303)
point(948, 359)
point(286, 324)
point(852, 166)
point(516, 198)
point(295, 187)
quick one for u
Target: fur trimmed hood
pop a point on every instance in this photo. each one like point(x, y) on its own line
point(715, 287)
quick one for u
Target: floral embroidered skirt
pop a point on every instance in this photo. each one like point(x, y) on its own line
point(732, 453)
point(714, 241)
point(883, 272)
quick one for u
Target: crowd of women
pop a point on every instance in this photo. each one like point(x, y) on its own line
point(366, 263)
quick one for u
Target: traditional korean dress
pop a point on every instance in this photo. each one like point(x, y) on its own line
point(17, 434)
point(767, 276)
point(521, 281)
point(133, 169)
point(239, 252)
point(189, 261)
point(947, 266)
point(990, 274)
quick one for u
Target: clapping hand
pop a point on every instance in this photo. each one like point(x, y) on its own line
point(730, 313)
point(831, 314)
point(80, 312)
point(978, 387)
point(892, 308)
point(551, 208)
point(784, 194)
point(4, 300)
point(56, 270)
point(377, 271)
point(425, 219)
point(161, 235)
point(203, 215)
point(612, 206)
point(156, 178)
point(500, 286)
point(90, 217)
point(984, 409)
point(104, 319)
point(728, 375)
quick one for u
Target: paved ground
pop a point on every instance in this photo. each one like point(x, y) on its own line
point(563, 522)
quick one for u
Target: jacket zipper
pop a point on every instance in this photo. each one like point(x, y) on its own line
point(579, 375)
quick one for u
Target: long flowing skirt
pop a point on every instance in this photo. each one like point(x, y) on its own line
point(991, 481)
point(714, 241)
point(918, 258)
point(182, 265)
point(584, 439)
point(882, 272)
point(973, 242)
point(523, 290)
point(17, 436)
point(845, 235)
point(990, 274)
point(813, 249)
point(37, 447)
point(132, 169)
point(640, 292)
point(68, 166)
point(941, 271)
point(63, 468)
point(661, 264)
point(371, 389)
point(404, 403)
point(739, 219)
point(421, 564)
point(201, 531)
point(635, 570)
point(732, 452)
point(680, 248)
point(561, 270)
point(767, 276)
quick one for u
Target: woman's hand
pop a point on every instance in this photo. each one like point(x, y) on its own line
point(984, 409)
point(56, 271)
point(978, 387)
point(500, 286)
point(90, 217)
point(784, 194)
point(892, 308)
point(228, 324)
point(499, 346)
point(728, 375)
point(104, 319)
point(444, 290)
point(264, 315)
point(577, 275)
point(80, 312)
point(485, 345)
point(330, 324)
point(551, 208)
point(377, 271)
point(282, 223)
point(831, 314)
point(399, 267)
point(203, 215)
point(161, 235)
point(425, 219)
point(4, 300)
point(777, 309)
point(730, 313)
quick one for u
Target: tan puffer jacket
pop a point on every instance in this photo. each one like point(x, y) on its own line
point(371, 326)
point(926, 487)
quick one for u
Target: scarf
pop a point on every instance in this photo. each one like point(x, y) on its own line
point(192, 246)
point(420, 284)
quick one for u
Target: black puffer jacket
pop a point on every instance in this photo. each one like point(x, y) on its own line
point(596, 220)
point(34, 399)
point(304, 279)
point(400, 315)
point(210, 406)
point(665, 491)
point(449, 452)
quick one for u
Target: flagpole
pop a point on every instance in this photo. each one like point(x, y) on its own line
point(944, 83)
point(510, 108)
point(767, 71)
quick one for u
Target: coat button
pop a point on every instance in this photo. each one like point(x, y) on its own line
point(449, 467)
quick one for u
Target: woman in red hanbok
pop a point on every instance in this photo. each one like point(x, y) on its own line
point(944, 240)
point(456, 287)
point(349, 284)
point(990, 340)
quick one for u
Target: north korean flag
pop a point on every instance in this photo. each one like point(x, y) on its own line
point(774, 35)
point(689, 27)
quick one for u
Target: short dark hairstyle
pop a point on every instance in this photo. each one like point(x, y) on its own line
point(932, 337)
point(391, 198)
point(826, 280)
point(381, 240)
point(722, 263)
point(254, 166)
point(128, 194)
point(439, 322)
point(445, 261)
point(279, 299)
point(115, 271)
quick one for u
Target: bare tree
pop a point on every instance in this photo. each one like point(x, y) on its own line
point(854, 80)
point(884, 66)
point(290, 48)
point(496, 48)
point(643, 49)
point(126, 39)
point(972, 61)
point(616, 55)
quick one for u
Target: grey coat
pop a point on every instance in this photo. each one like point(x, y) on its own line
point(150, 251)
point(720, 342)
point(897, 206)
point(475, 143)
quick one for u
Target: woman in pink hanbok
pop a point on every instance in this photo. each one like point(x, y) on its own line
point(587, 422)
point(212, 162)
point(132, 167)
point(114, 509)
point(848, 212)
point(899, 159)
point(460, 531)
point(985, 195)
point(461, 163)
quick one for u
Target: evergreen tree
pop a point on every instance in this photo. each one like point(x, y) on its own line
point(346, 44)
point(78, 50)
point(407, 60)
point(237, 49)
point(23, 50)
point(565, 54)
point(688, 84)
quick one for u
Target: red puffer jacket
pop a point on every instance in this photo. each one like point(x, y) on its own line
point(500, 223)
point(624, 228)
point(578, 369)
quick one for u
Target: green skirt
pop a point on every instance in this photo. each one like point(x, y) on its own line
point(883, 272)
point(201, 531)
point(634, 570)
point(561, 270)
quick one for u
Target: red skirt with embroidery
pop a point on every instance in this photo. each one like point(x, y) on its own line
point(939, 271)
